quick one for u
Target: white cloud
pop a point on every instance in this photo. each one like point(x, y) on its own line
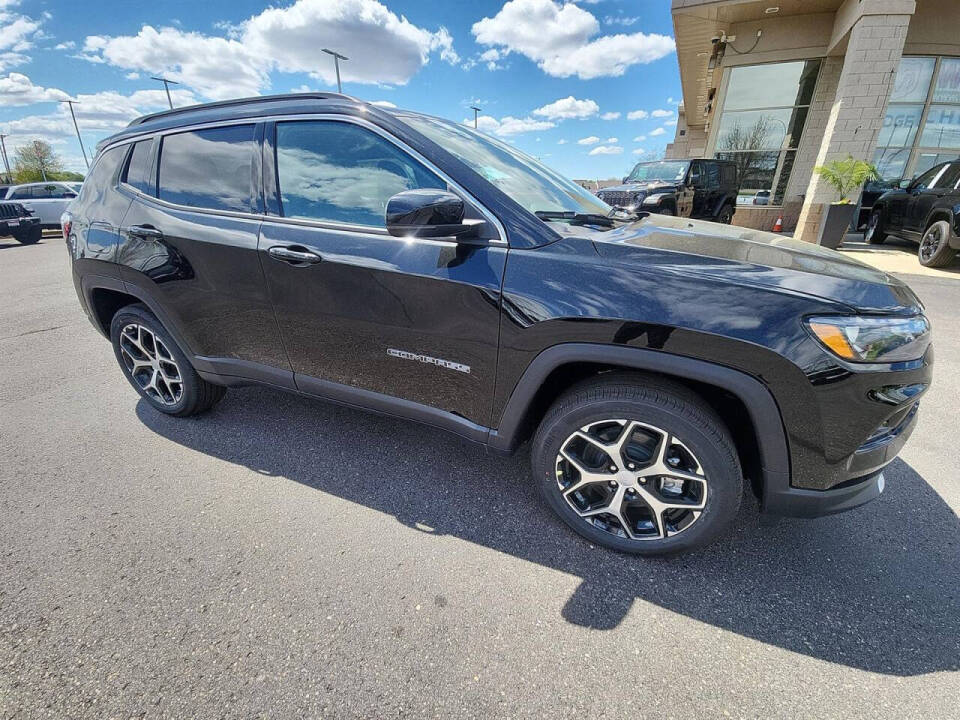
point(561, 142)
point(670, 123)
point(509, 125)
point(638, 115)
point(671, 101)
point(568, 107)
point(621, 19)
point(592, 140)
point(657, 131)
point(68, 45)
point(17, 89)
point(492, 58)
point(383, 48)
point(606, 150)
point(658, 113)
point(640, 138)
point(611, 140)
point(383, 103)
point(562, 39)
point(610, 116)
point(639, 151)
point(132, 76)
point(18, 33)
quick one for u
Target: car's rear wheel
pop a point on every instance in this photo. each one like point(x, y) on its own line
point(156, 366)
point(638, 464)
point(874, 233)
point(935, 250)
point(725, 215)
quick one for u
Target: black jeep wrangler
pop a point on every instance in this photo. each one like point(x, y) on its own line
point(19, 222)
point(704, 189)
point(409, 265)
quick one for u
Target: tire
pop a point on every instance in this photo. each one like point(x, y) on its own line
point(31, 237)
point(156, 367)
point(666, 210)
point(874, 233)
point(935, 250)
point(607, 408)
point(725, 216)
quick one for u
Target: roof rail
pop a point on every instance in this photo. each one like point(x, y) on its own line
point(238, 101)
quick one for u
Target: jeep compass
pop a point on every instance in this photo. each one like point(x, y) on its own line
point(655, 368)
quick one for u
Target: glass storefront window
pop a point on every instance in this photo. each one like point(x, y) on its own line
point(913, 79)
point(891, 162)
point(764, 111)
point(942, 129)
point(900, 125)
point(947, 89)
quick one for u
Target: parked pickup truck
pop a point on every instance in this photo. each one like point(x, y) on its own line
point(19, 222)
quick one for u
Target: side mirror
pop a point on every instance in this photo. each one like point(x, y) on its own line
point(904, 184)
point(429, 213)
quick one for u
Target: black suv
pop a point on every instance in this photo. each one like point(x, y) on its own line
point(19, 222)
point(412, 266)
point(704, 188)
point(925, 210)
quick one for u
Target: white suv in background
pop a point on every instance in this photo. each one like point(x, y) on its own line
point(47, 200)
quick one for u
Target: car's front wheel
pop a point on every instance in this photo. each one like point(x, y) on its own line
point(156, 366)
point(875, 234)
point(29, 237)
point(935, 250)
point(638, 464)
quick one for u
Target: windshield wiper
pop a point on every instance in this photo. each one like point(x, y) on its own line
point(576, 218)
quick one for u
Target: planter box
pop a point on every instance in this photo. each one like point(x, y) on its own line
point(836, 221)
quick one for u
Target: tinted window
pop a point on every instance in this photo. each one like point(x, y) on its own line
point(342, 172)
point(102, 176)
point(19, 194)
point(712, 172)
point(949, 177)
point(138, 173)
point(210, 168)
point(924, 181)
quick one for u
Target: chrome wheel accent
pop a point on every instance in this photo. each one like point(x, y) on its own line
point(932, 239)
point(872, 223)
point(151, 364)
point(631, 479)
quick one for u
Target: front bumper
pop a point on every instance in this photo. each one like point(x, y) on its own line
point(866, 464)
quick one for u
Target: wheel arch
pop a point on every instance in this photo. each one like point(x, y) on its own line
point(743, 402)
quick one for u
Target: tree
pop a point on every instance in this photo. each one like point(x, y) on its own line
point(35, 162)
point(846, 175)
point(744, 143)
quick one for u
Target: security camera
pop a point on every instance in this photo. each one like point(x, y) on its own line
point(715, 39)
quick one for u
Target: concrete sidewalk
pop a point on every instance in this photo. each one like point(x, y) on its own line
point(895, 256)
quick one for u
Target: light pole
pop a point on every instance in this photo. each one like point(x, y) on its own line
point(75, 127)
point(6, 162)
point(476, 113)
point(166, 86)
point(337, 57)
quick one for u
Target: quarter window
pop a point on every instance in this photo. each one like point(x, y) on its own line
point(138, 173)
point(211, 168)
point(341, 172)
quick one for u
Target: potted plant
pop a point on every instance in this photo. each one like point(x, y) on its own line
point(844, 176)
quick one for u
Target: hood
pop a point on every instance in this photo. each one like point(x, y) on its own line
point(656, 186)
point(757, 258)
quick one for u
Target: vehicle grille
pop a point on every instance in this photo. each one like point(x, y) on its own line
point(620, 199)
point(10, 210)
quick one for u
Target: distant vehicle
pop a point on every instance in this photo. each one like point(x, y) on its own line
point(923, 210)
point(47, 200)
point(19, 222)
point(762, 197)
point(702, 188)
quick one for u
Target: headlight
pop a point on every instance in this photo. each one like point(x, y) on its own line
point(873, 339)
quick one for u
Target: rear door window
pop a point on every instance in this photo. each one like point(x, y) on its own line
point(138, 172)
point(103, 175)
point(949, 177)
point(210, 168)
point(341, 172)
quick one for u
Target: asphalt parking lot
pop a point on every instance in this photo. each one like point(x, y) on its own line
point(282, 557)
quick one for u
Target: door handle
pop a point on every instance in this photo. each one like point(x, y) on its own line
point(294, 255)
point(143, 231)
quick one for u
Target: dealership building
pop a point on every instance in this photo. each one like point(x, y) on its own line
point(780, 86)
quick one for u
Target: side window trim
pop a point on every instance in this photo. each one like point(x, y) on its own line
point(125, 167)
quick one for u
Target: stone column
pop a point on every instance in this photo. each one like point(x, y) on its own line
point(874, 45)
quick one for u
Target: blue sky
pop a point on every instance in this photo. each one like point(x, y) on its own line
point(588, 86)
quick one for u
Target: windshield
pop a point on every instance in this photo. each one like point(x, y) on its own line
point(664, 171)
point(529, 183)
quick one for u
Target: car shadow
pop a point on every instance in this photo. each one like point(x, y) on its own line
point(10, 242)
point(875, 589)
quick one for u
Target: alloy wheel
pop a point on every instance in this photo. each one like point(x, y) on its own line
point(931, 242)
point(633, 480)
point(151, 364)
